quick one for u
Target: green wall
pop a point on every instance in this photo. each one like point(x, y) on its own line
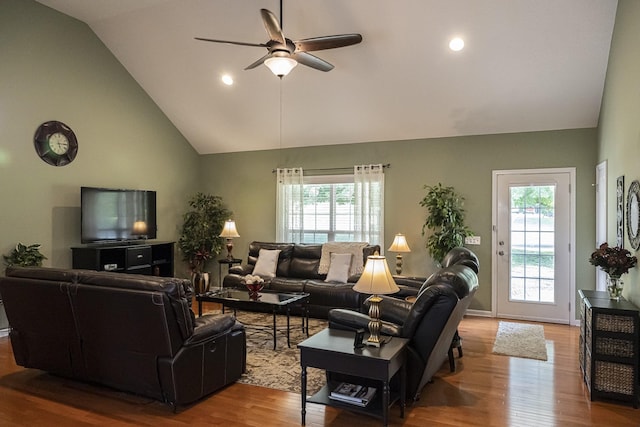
point(247, 184)
point(55, 68)
point(619, 129)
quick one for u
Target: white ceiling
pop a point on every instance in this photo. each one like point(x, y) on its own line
point(527, 65)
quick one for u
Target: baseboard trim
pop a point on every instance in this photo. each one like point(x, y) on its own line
point(479, 313)
point(4, 333)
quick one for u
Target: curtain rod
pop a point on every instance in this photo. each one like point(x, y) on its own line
point(346, 168)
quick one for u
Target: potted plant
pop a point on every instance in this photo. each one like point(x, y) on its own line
point(25, 256)
point(445, 219)
point(199, 237)
point(615, 261)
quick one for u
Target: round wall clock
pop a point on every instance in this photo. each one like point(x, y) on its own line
point(55, 143)
point(633, 214)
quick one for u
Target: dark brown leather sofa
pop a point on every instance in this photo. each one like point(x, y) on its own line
point(297, 271)
point(129, 332)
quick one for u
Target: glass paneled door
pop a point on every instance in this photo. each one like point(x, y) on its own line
point(532, 246)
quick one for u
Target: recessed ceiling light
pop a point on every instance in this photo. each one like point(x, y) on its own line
point(227, 79)
point(456, 44)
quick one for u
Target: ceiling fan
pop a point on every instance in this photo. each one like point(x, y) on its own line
point(284, 54)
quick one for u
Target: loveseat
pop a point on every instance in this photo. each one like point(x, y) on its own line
point(130, 332)
point(299, 270)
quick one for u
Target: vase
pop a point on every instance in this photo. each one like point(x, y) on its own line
point(200, 282)
point(614, 287)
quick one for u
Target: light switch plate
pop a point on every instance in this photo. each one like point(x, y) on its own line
point(472, 240)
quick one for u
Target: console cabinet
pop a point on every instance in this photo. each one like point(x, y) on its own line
point(149, 258)
point(609, 342)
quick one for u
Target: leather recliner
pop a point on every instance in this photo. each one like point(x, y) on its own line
point(430, 323)
point(129, 332)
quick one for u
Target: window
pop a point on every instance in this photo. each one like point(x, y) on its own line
point(325, 208)
point(328, 209)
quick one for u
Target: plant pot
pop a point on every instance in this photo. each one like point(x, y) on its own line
point(200, 282)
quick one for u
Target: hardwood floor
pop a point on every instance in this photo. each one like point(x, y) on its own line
point(486, 390)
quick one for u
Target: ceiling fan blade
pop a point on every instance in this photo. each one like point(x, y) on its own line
point(232, 42)
point(272, 26)
point(312, 61)
point(258, 62)
point(327, 42)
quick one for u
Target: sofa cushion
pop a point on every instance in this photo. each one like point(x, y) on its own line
point(284, 260)
point(333, 295)
point(305, 261)
point(267, 263)
point(339, 268)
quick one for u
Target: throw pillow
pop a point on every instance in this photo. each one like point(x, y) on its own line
point(267, 263)
point(339, 268)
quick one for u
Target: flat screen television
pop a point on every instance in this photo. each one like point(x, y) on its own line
point(116, 215)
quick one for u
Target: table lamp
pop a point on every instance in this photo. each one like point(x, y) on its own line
point(375, 280)
point(139, 229)
point(229, 232)
point(399, 245)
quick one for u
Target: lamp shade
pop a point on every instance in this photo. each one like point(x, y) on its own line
point(399, 244)
point(139, 228)
point(280, 65)
point(376, 278)
point(229, 230)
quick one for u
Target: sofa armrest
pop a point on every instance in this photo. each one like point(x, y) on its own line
point(340, 318)
point(242, 270)
point(210, 325)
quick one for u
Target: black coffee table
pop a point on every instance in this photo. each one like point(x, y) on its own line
point(333, 351)
point(276, 302)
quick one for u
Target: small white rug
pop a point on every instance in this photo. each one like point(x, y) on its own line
point(520, 340)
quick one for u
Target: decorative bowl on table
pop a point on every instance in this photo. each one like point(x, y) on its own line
point(254, 284)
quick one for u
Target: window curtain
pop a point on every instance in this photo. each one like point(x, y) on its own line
point(369, 204)
point(289, 198)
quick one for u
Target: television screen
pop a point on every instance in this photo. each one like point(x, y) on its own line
point(111, 215)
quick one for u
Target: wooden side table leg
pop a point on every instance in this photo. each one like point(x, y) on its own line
point(303, 391)
point(403, 388)
point(385, 402)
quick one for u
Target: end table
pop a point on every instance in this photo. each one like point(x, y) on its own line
point(229, 263)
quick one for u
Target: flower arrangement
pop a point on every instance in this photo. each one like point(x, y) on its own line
point(250, 279)
point(614, 261)
point(254, 284)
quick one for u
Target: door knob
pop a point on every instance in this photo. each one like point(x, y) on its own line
point(501, 253)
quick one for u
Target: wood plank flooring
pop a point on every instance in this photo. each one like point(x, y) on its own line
point(486, 390)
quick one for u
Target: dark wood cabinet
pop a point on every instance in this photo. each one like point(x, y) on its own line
point(609, 342)
point(148, 258)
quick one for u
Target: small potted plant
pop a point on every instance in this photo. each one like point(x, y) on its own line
point(615, 261)
point(25, 256)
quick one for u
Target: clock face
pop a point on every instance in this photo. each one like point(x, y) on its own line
point(56, 143)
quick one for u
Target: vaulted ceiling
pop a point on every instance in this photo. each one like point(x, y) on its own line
point(527, 65)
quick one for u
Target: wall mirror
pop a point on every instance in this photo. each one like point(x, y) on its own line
point(633, 214)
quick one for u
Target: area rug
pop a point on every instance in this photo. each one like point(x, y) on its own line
point(280, 368)
point(520, 340)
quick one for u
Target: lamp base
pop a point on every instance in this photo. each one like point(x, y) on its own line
point(374, 324)
point(398, 264)
point(229, 249)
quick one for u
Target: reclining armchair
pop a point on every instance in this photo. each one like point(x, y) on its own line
point(430, 323)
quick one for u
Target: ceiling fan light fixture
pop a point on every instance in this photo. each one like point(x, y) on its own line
point(280, 65)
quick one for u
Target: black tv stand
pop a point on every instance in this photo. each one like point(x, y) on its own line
point(135, 256)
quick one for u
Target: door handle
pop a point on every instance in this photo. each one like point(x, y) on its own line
point(501, 253)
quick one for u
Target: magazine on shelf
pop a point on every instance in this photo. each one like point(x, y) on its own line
point(353, 393)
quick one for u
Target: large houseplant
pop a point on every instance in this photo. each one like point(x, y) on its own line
point(445, 219)
point(199, 236)
point(24, 256)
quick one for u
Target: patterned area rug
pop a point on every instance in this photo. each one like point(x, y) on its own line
point(521, 340)
point(280, 368)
